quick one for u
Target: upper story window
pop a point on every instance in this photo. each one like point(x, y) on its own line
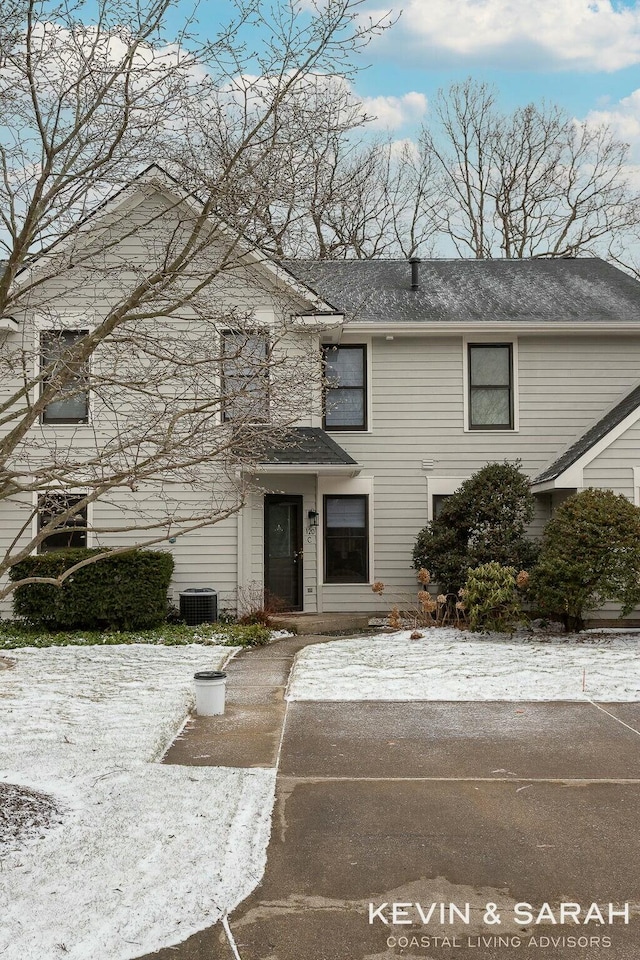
point(245, 376)
point(72, 531)
point(72, 403)
point(345, 400)
point(490, 386)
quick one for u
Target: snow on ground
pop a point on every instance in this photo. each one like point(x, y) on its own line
point(452, 665)
point(146, 854)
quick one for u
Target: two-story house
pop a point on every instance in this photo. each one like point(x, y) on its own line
point(433, 369)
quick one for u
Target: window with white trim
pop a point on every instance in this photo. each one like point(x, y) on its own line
point(491, 405)
point(72, 401)
point(345, 397)
point(71, 531)
point(245, 376)
point(438, 501)
point(346, 538)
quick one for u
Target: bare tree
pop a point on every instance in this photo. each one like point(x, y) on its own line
point(135, 368)
point(533, 183)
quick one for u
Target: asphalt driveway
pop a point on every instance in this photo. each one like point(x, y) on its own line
point(470, 804)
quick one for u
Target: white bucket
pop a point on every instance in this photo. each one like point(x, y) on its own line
point(210, 687)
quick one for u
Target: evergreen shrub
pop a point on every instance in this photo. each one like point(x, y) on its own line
point(590, 554)
point(127, 591)
point(483, 521)
point(491, 598)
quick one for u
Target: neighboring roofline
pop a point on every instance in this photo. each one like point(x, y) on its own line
point(572, 476)
point(9, 323)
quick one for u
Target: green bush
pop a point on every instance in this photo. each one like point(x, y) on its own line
point(127, 591)
point(590, 554)
point(483, 521)
point(491, 598)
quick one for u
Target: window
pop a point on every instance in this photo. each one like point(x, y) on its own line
point(345, 406)
point(490, 386)
point(72, 532)
point(346, 539)
point(438, 502)
point(245, 376)
point(72, 405)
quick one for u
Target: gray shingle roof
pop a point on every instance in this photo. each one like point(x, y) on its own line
point(591, 437)
point(547, 290)
point(309, 445)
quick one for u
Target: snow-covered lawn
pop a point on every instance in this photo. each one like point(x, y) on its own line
point(146, 854)
point(452, 665)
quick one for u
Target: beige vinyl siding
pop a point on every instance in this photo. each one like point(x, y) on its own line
point(614, 467)
point(417, 390)
point(14, 513)
point(205, 557)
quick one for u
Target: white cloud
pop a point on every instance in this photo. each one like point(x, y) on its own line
point(623, 117)
point(390, 113)
point(560, 34)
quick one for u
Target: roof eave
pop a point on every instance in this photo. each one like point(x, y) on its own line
point(572, 476)
point(447, 327)
point(319, 469)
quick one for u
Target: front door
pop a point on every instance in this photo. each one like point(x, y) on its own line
point(283, 550)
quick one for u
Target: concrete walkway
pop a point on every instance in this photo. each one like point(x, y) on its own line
point(426, 802)
point(248, 733)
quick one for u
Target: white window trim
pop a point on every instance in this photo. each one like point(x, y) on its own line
point(436, 486)
point(355, 341)
point(328, 487)
point(42, 325)
point(636, 486)
point(72, 492)
point(488, 339)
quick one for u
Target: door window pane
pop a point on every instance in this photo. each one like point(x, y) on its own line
point(279, 531)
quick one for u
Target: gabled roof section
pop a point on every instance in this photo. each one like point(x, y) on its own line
point(549, 291)
point(160, 179)
point(309, 446)
point(600, 434)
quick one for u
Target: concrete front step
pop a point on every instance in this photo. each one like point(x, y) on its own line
point(322, 623)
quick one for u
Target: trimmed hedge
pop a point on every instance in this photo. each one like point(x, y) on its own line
point(125, 592)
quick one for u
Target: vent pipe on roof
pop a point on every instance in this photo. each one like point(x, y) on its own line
point(415, 262)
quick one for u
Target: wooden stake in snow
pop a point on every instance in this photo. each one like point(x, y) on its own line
point(584, 680)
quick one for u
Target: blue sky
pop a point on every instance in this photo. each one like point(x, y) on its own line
point(581, 54)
